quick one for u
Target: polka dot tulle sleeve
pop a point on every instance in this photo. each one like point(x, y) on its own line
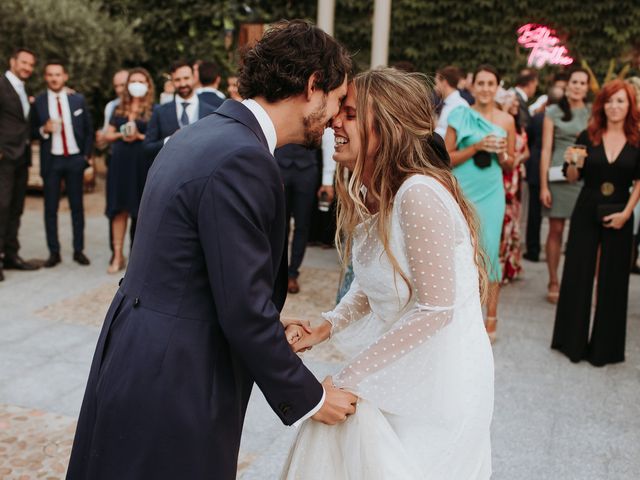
point(352, 307)
point(428, 229)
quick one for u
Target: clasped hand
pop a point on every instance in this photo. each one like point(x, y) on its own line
point(302, 337)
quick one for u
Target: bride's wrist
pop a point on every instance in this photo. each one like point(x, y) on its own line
point(325, 329)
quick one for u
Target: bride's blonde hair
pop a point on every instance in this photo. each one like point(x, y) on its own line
point(402, 116)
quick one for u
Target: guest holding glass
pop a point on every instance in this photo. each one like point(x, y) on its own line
point(481, 142)
point(129, 163)
point(601, 230)
point(562, 124)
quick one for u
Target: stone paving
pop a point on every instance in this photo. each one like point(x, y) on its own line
point(553, 419)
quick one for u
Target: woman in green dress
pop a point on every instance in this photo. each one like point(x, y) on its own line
point(481, 142)
point(562, 124)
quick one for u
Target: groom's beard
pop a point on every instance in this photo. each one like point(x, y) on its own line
point(314, 127)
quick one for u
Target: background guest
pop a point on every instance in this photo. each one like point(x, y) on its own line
point(447, 80)
point(481, 140)
point(463, 86)
point(232, 88)
point(128, 166)
point(510, 246)
point(601, 229)
point(181, 112)
point(63, 125)
point(210, 79)
point(562, 124)
point(532, 167)
point(525, 89)
point(14, 155)
point(119, 85)
point(168, 91)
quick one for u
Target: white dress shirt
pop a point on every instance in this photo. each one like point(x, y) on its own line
point(192, 108)
point(328, 163)
point(56, 138)
point(108, 112)
point(452, 101)
point(269, 131)
point(212, 90)
point(18, 86)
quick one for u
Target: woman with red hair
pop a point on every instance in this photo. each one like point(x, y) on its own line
point(601, 228)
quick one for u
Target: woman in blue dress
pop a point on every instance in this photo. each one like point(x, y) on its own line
point(481, 142)
point(129, 163)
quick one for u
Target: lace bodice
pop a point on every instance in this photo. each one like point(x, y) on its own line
point(430, 240)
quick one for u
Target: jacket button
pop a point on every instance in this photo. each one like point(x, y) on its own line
point(136, 303)
point(285, 408)
point(120, 282)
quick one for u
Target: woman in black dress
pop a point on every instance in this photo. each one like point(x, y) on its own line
point(601, 227)
point(129, 164)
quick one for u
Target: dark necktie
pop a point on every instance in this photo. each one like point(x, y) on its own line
point(65, 149)
point(184, 118)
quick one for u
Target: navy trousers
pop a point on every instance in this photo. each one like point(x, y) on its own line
point(71, 170)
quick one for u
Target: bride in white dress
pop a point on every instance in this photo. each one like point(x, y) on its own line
point(411, 324)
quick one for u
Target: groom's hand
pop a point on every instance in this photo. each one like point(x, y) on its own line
point(338, 404)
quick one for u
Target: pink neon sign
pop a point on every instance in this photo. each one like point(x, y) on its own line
point(544, 44)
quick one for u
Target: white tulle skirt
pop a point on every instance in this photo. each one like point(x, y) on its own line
point(439, 428)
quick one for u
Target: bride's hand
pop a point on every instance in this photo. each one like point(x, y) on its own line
point(317, 335)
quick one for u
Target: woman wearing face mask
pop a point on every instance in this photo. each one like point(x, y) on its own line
point(481, 142)
point(411, 323)
point(129, 164)
point(602, 221)
point(562, 124)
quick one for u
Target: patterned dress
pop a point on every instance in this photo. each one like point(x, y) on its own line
point(510, 247)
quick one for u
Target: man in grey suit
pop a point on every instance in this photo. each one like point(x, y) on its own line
point(15, 155)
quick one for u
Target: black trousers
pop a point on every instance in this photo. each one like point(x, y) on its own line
point(571, 331)
point(300, 187)
point(71, 170)
point(534, 221)
point(13, 188)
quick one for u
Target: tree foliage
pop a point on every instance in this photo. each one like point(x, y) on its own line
point(90, 43)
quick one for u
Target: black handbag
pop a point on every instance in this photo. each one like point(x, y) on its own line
point(608, 209)
point(482, 159)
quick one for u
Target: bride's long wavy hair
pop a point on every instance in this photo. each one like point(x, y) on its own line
point(402, 115)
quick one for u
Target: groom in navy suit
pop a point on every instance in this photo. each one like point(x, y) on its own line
point(62, 123)
point(185, 109)
point(196, 319)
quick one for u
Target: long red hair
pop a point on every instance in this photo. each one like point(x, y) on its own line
point(598, 121)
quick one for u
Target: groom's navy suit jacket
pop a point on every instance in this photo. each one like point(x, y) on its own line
point(196, 319)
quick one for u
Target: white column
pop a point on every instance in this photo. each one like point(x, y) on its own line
point(381, 28)
point(326, 15)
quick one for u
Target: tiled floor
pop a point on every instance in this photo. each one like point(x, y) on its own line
point(553, 420)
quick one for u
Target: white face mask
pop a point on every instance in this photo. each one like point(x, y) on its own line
point(137, 89)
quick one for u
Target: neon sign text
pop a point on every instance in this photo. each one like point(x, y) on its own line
point(544, 44)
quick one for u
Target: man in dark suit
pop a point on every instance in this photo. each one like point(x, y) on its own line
point(196, 319)
point(299, 170)
point(15, 155)
point(526, 85)
point(185, 109)
point(63, 124)
point(210, 79)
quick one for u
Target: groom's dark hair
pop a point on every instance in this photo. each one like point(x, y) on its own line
point(280, 64)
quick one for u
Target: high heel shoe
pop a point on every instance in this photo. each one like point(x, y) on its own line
point(115, 267)
point(553, 295)
point(491, 326)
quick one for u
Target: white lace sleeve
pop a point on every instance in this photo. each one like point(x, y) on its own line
point(353, 306)
point(428, 228)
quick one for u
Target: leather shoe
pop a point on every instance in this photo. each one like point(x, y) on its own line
point(81, 258)
point(53, 260)
point(17, 263)
point(1, 275)
point(292, 286)
point(530, 257)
